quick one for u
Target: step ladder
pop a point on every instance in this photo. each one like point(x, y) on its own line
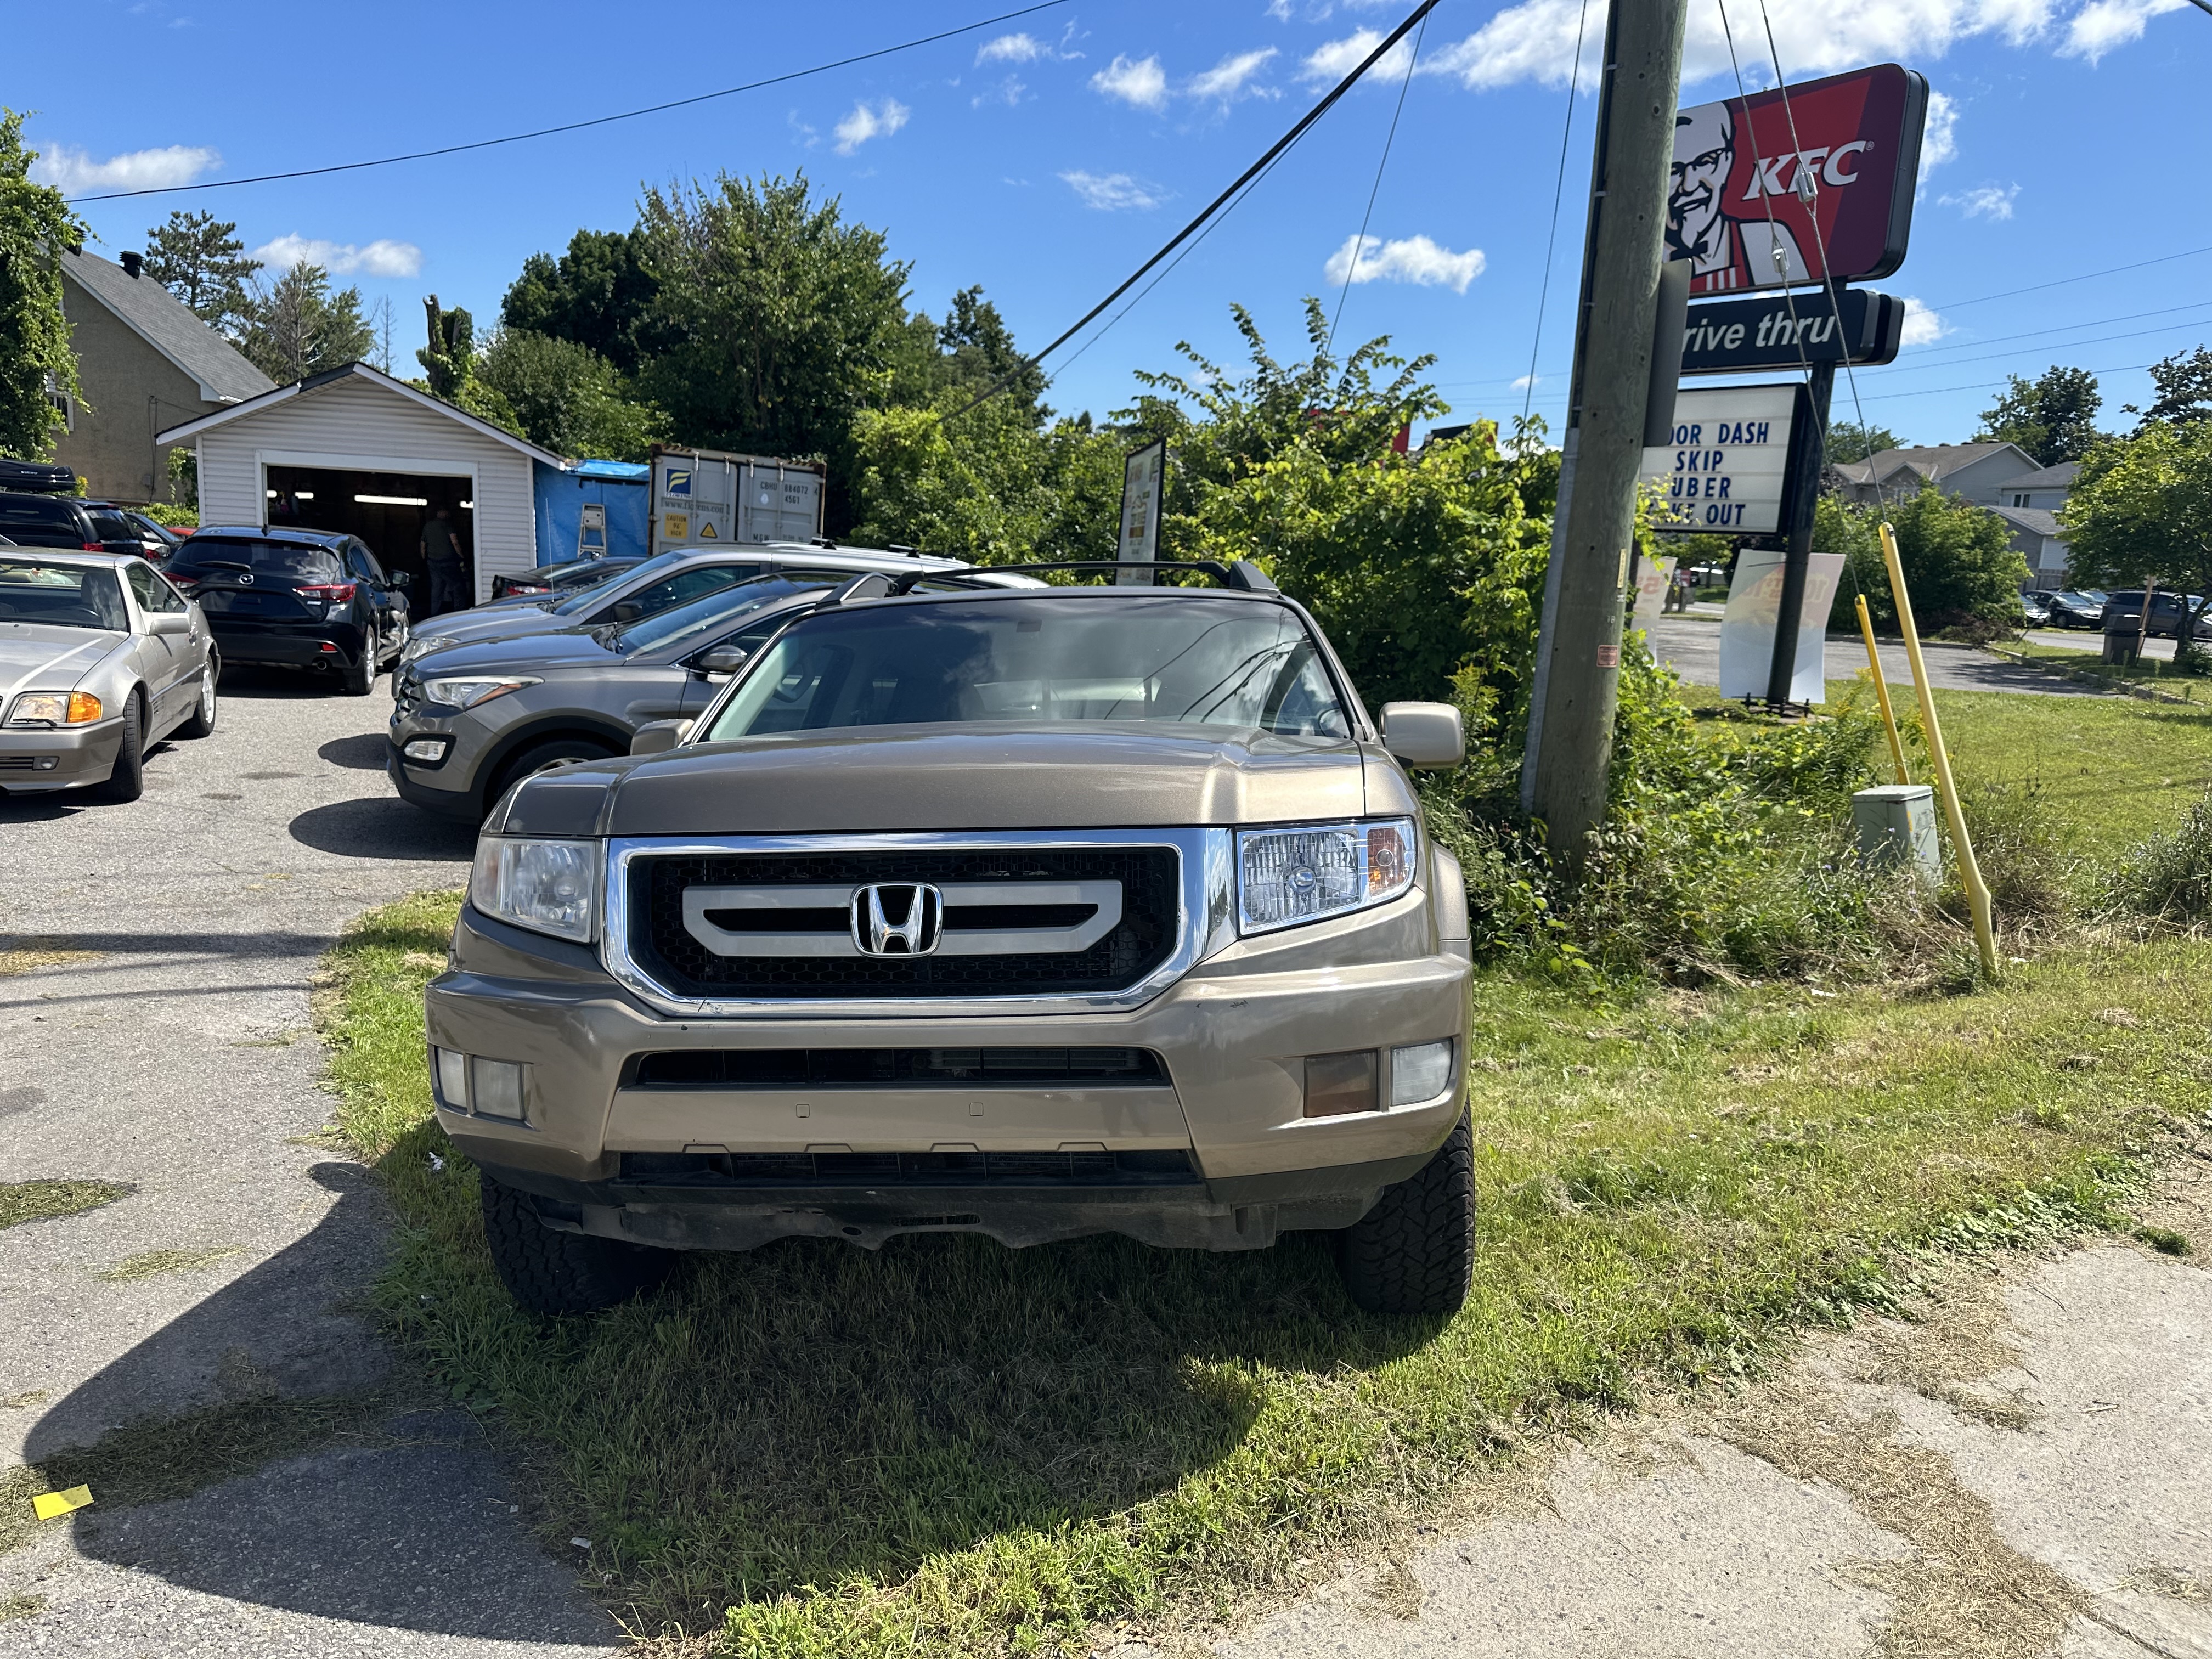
point(592, 523)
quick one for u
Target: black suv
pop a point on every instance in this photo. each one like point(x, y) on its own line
point(44, 521)
point(295, 598)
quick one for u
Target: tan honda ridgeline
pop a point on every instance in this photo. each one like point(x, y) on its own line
point(1027, 911)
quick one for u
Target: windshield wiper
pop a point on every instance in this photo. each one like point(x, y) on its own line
point(220, 564)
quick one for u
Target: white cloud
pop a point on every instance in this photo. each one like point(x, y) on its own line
point(870, 121)
point(1922, 326)
point(1112, 191)
point(381, 258)
point(1013, 49)
point(1232, 76)
point(72, 171)
point(1989, 202)
point(1135, 81)
point(1411, 259)
point(1522, 383)
point(2100, 26)
point(1534, 41)
point(1939, 137)
point(1008, 92)
point(1337, 59)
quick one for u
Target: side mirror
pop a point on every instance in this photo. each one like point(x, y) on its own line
point(722, 659)
point(169, 622)
point(658, 737)
point(400, 578)
point(627, 612)
point(1423, 733)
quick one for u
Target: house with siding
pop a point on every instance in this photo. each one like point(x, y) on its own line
point(145, 363)
point(353, 449)
point(1975, 472)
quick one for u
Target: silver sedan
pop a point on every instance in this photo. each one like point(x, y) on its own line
point(100, 659)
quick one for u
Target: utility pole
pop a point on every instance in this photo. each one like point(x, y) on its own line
point(1562, 778)
point(1806, 458)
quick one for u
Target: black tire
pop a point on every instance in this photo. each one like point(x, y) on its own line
point(128, 781)
point(538, 756)
point(554, 1272)
point(202, 723)
point(358, 679)
point(1413, 1253)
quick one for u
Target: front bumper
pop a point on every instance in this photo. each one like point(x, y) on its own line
point(37, 760)
point(1233, 1034)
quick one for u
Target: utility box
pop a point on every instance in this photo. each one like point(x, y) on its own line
point(2122, 644)
point(1896, 826)
point(706, 498)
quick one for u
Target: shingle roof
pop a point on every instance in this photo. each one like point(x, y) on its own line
point(2040, 520)
point(167, 324)
point(1929, 460)
point(2060, 476)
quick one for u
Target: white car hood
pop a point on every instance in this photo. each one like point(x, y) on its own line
point(39, 657)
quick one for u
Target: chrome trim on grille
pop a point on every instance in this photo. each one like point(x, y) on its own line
point(1103, 896)
point(1205, 921)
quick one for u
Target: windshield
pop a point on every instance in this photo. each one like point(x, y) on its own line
point(585, 600)
point(286, 559)
point(61, 595)
point(1184, 660)
point(703, 618)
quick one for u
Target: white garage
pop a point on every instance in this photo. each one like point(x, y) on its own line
point(355, 450)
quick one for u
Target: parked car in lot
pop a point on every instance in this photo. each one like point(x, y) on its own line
point(31, 520)
point(1032, 913)
point(2035, 612)
point(100, 659)
point(2072, 608)
point(469, 720)
point(559, 579)
point(2169, 614)
point(661, 583)
point(313, 599)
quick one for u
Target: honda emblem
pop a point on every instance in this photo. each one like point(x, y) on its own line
point(898, 918)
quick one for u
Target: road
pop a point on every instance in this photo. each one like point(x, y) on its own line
point(173, 1054)
point(1692, 645)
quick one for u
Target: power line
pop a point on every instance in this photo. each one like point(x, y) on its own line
point(1359, 242)
point(1987, 385)
point(578, 126)
point(1559, 191)
point(2061, 281)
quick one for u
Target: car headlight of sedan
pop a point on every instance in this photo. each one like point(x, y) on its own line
point(548, 886)
point(468, 693)
point(55, 708)
point(1312, 872)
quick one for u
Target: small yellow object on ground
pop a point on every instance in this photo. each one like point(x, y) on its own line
point(48, 1504)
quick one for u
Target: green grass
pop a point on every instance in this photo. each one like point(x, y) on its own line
point(45, 1200)
point(946, 1446)
point(148, 1264)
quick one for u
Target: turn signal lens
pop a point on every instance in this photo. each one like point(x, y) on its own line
point(83, 708)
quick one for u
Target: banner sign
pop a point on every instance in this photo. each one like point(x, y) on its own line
point(1144, 477)
point(1653, 577)
point(1747, 628)
point(1726, 470)
point(1731, 336)
point(1758, 192)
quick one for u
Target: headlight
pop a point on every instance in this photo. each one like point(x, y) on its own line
point(421, 646)
point(549, 886)
point(1285, 876)
point(56, 709)
point(467, 694)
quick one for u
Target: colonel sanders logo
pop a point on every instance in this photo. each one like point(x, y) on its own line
point(1725, 252)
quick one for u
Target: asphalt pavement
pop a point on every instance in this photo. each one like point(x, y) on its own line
point(170, 1050)
point(1692, 647)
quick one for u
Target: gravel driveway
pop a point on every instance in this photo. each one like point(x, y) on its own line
point(172, 1055)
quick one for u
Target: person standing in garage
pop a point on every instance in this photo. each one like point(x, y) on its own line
point(441, 551)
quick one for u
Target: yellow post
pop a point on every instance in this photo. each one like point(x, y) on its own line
point(1882, 693)
point(1978, 895)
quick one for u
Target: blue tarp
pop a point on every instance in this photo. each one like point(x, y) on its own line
point(623, 488)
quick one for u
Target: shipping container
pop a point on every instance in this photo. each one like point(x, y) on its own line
point(709, 498)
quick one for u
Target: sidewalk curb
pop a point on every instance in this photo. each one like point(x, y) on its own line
point(2127, 688)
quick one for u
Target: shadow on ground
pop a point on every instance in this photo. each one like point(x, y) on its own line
point(381, 827)
point(362, 752)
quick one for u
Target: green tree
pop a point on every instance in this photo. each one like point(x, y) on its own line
point(2141, 509)
point(566, 397)
point(199, 258)
point(2185, 388)
point(2052, 417)
point(1958, 561)
point(296, 326)
point(449, 362)
point(36, 364)
point(598, 294)
point(782, 320)
point(1847, 440)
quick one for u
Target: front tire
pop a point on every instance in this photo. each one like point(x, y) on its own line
point(556, 1273)
point(128, 781)
point(538, 756)
point(202, 723)
point(1413, 1253)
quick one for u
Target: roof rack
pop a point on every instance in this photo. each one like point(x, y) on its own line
point(1240, 575)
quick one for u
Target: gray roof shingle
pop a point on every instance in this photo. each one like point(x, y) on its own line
point(167, 324)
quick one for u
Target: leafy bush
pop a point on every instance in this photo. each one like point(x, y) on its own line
point(1958, 561)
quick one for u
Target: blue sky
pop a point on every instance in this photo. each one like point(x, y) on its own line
point(1046, 157)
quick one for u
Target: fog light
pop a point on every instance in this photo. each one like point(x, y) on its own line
point(1419, 1072)
point(450, 1071)
point(496, 1088)
point(45, 762)
point(427, 749)
point(1341, 1083)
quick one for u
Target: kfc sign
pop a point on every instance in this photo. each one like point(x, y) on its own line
point(1759, 191)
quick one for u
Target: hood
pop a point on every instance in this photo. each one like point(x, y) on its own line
point(469, 627)
point(953, 777)
point(37, 657)
point(528, 653)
